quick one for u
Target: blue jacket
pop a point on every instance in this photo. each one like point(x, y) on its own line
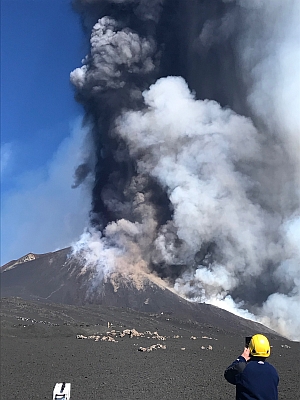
point(255, 379)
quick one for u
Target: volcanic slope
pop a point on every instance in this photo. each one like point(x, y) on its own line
point(58, 278)
point(113, 352)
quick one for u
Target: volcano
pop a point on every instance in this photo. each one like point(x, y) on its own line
point(59, 278)
point(49, 301)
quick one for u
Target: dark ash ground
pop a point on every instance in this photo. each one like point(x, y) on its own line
point(39, 348)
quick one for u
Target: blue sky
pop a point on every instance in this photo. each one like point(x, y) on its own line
point(41, 137)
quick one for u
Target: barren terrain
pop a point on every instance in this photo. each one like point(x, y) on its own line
point(42, 344)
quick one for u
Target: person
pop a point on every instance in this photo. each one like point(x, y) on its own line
point(253, 377)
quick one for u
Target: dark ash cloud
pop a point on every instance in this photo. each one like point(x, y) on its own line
point(191, 107)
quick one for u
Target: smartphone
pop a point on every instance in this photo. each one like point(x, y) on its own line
point(247, 340)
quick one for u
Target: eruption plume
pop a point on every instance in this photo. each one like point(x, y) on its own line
point(193, 115)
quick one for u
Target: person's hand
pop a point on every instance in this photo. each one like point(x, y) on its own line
point(246, 354)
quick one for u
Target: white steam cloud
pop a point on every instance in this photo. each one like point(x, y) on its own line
point(232, 182)
point(270, 55)
point(193, 148)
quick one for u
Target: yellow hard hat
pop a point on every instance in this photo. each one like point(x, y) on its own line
point(259, 346)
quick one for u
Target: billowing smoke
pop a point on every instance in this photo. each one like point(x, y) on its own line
point(193, 111)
